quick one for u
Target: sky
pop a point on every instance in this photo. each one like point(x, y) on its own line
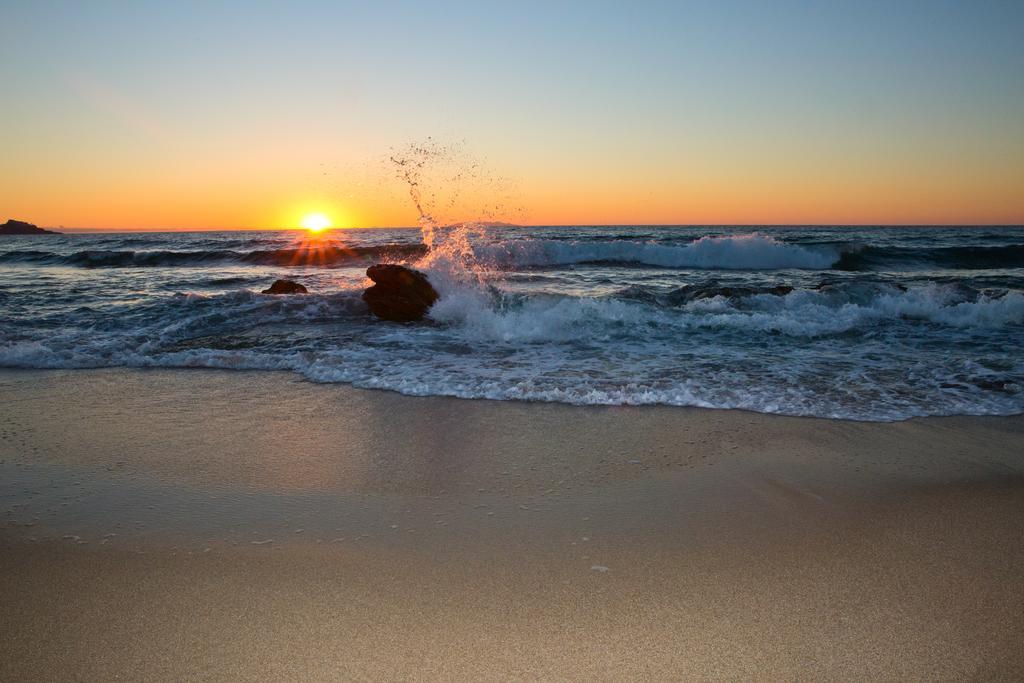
point(251, 114)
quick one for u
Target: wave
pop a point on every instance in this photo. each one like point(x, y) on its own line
point(749, 252)
point(316, 255)
point(803, 313)
point(740, 252)
point(954, 258)
point(876, 352)
point(731, 252)
point(744, 252)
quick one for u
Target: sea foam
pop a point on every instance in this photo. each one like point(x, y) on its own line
point(732, 252)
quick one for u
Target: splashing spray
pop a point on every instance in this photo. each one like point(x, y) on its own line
point(448, 186)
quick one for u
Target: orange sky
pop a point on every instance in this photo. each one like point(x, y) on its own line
point(769, 192)
point(268, 193)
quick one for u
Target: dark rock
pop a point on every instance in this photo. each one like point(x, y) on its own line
point(285, 287)
point(399, 294)
point(13, 227)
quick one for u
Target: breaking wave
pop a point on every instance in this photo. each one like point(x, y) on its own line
point(745, 252)
point(314, 255)
point(731, 252)
point(832, 352)
point(742, 252)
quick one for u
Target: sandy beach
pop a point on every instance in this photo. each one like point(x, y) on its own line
point(235, 525)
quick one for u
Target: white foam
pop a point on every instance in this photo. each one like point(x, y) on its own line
point(730, 252)
point(798, 314)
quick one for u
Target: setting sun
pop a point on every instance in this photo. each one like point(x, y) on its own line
point(315, 222)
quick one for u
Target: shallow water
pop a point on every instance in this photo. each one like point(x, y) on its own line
point(862, 323)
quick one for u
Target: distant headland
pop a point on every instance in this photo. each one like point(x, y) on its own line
point(13, 227)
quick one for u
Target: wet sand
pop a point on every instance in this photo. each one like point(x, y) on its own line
point(218, 525)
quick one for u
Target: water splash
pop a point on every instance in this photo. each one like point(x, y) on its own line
point(456, 199)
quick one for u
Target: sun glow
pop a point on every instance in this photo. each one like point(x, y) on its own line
point(315, 222)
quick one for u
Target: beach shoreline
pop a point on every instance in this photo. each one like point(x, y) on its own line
point(215, 524)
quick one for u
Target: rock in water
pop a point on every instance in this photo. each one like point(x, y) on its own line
point(400, 294)
point(285, 287)
point(13, 227)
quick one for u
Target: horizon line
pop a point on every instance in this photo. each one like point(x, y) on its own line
point(552, 225)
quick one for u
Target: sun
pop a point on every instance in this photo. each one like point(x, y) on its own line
point(315, 222)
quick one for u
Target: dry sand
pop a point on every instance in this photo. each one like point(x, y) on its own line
point(216, 525)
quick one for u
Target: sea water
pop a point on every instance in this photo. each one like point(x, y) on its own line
point(879, 323)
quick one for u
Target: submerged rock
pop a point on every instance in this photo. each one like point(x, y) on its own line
point(13, 227)
point(285, 287)
point(688, 293)
point(399, 294)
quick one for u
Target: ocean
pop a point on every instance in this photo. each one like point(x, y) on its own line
point(879, 324)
